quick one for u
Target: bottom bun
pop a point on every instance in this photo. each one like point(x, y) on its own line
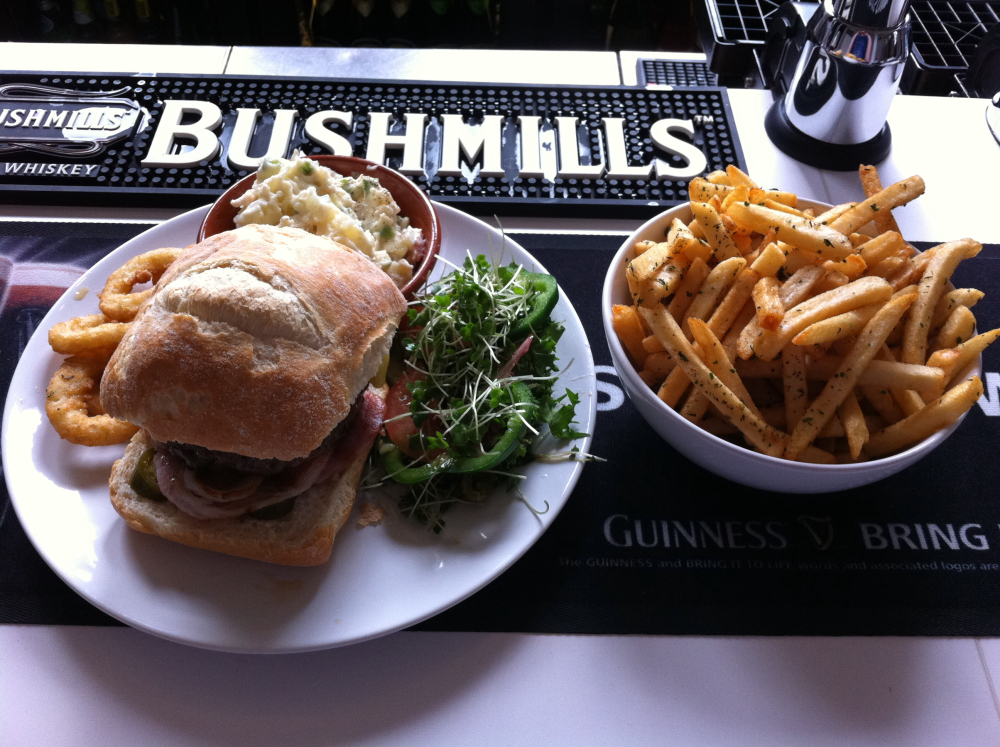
point(302, 537)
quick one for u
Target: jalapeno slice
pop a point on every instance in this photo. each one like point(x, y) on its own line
point(545, 299)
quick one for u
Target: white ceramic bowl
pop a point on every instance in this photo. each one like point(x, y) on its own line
point(715, 454)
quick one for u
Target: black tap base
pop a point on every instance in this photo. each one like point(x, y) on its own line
point(832, 156)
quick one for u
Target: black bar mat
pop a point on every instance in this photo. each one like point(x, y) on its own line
point(87, 139)
point(918, 554)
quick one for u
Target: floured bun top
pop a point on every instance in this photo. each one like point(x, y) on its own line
point(256, 341)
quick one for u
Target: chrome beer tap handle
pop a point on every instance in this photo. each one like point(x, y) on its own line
point(833, 114)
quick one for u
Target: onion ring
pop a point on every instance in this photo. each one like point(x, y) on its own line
point(86, 334)
point(73, 404)
point(117, 300)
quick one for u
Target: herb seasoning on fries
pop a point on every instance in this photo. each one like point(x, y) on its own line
point(820, 338)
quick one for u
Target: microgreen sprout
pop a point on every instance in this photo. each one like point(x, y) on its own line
point(479, 383)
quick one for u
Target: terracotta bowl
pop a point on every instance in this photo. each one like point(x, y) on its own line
point(413, 204)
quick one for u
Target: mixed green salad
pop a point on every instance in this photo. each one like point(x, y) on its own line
point(474, 388)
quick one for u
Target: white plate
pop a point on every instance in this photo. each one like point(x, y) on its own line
point(379, 580)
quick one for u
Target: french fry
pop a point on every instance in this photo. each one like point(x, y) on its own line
point(700, 190)
point(878, 375)
point(651, 344)
point(636, 288)
point(754, 368)
point(740, 179)
point(881, 247)
point(728, 310)
point(688, 288)
point(731, 338)
point(852, 266)
point(650, 262)
point(853, 420)
point(892, 196)
point(939, 414)
point(872, 185)
point(649, 378)
point(843, 381)
point(794, 383)
point(758, 433)
point(739, 193)
point(664, 284)
point(889, 268)
point(837, 327)
point(833, 429)
point(660, 364)
point(816, 455)
point(833, 213)
point(833, 279)
point(885, 374)
point(967, 352)
point(676, 229)
point(719, 177)
point(793, 292)
point(911, 271)
point(798, 287)
point(882, 400)
point(801, 233)
point(720, 278)
point(861, 292)
point(967, 297)
point(960, 326)
point(717, 426)
point(629, 331)
point(769, 261)
point(673, 387)
point(767, 299)
point(785, 198)
point(714, 356)
point(695, 406)
point(775, 205)
point(796, 259)
point(695, 230)
point(939, 270)
point(691, 243)
point(716, 233)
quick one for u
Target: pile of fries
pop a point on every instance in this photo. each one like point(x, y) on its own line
point(819, 338)
point(72, 400)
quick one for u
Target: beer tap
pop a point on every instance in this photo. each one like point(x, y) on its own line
point(832, 112)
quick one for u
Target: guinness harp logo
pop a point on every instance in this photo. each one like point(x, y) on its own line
point(62, 122)
point(819, 529)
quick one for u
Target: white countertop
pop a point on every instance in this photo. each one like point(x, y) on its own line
point(101, 686)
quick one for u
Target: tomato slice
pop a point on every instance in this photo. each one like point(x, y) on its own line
point(401, 430)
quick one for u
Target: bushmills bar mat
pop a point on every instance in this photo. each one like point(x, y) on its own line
point(182, 141)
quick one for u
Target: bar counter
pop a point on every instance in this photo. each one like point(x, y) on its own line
point(109, 685)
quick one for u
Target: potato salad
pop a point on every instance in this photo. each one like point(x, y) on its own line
point(354, 211)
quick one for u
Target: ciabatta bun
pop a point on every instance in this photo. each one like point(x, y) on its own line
point(256, 342)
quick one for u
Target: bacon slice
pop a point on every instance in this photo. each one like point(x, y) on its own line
point(360, 437)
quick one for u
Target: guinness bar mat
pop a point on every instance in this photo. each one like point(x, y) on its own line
point(650, 543)
point(182, 141)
